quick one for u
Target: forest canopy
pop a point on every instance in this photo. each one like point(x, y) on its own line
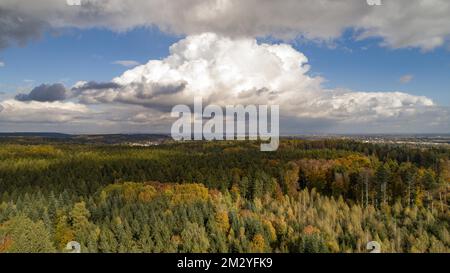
point(309, 196)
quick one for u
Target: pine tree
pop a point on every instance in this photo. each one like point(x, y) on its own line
point(382, 177)
point(22, 235)
point(194, 239)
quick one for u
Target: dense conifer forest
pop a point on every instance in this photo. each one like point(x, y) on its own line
point(307, 197)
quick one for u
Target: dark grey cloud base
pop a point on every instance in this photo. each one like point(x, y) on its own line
point(45, 93)
point(17, 28)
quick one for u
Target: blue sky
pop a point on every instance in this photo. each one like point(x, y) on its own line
point(366, 66)
point(72, 55)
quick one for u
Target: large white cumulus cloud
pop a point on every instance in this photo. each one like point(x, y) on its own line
point(227, 71)
point(222, 71)
point(400, 23)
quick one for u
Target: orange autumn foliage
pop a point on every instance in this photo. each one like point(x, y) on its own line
point(5, 244)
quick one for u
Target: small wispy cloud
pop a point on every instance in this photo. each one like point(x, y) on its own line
point(127, 63)
point(406, 78)
point(2, 64)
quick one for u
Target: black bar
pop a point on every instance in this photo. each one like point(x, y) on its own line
point(221, 262)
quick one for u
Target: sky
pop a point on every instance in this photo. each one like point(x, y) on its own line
point(110, 66)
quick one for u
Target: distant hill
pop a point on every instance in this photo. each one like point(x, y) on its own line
point(30, 137)
point(31, 134)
